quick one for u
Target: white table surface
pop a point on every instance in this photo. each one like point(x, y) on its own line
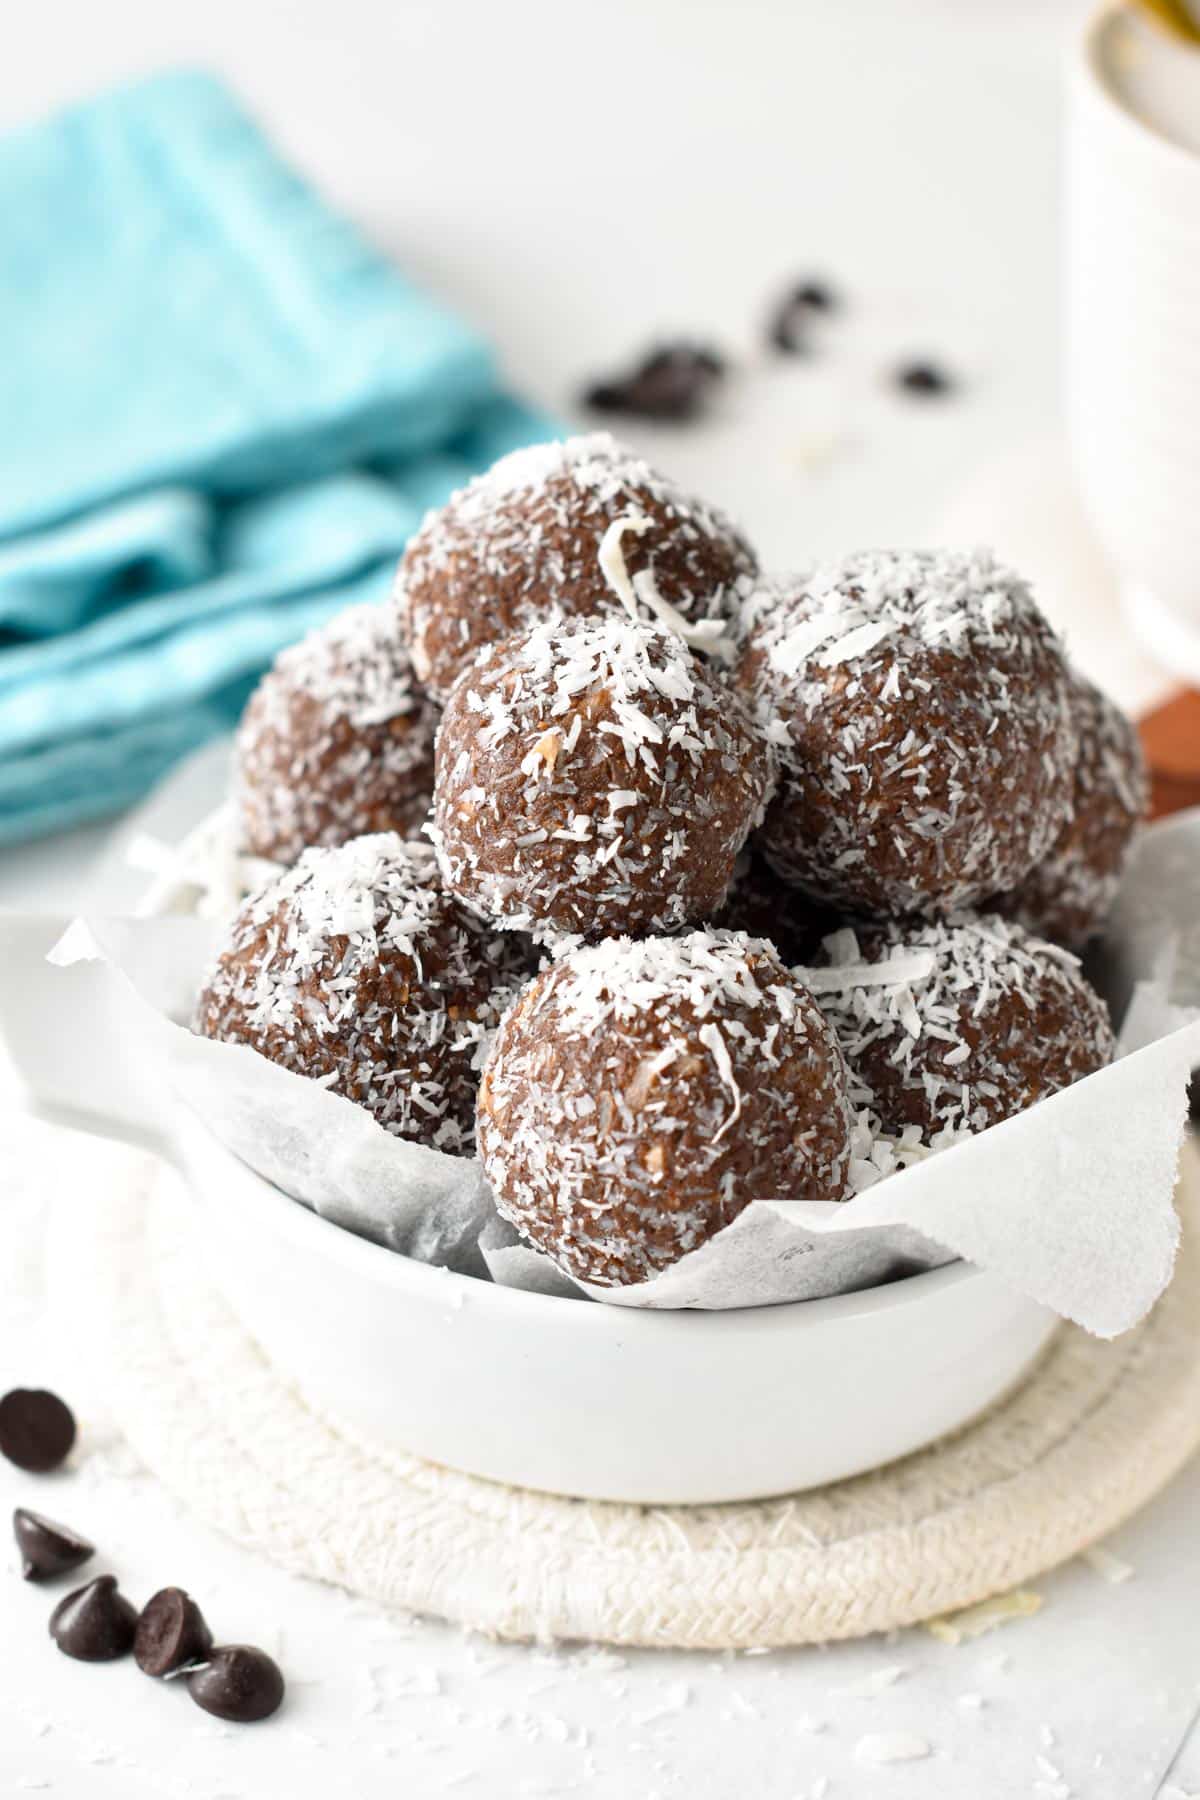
point(578, 179)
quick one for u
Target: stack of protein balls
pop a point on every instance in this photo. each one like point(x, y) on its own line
point(779, 846)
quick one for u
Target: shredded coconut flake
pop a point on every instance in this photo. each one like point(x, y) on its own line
point(976, 1621)
point(1111, 1567)
point(880, 1747)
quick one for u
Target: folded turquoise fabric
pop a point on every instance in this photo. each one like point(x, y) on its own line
point(222, 413)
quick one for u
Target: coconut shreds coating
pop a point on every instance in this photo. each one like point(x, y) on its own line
point(1069, 894)
point(523, 538)
point(919, 702)
point(639, 1095)
point(354, 968)
point(594, 777)
point(336, 742)
point(954, 1025)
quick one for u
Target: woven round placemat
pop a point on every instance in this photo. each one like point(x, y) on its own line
point(1093, 1433)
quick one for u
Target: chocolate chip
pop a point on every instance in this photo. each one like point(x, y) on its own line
point(672, 381)
point(817, 295)
point(36, 1429)
point(787, 330)
point(96, 1623)
point(47, 1548)
point(924, 378)
point(684, 355)
point(238, 1683)
point(171, 1633)
point(787, 327)
point(605, 396)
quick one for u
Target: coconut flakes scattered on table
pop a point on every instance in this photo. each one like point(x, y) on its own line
point(988, 1615)
point(880, 1747)
point(869, 1686)
point(1111, 1567)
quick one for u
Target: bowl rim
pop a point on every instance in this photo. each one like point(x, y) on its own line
point(391, 1268)
point(1095, 83)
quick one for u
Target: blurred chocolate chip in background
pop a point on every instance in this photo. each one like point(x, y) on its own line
point(926, 379)
point(673, 381)
point(789, 321)
point(47, 1548)
point(818, 295)
point(171, 1634)
point(238, 1683)
point(96, 1623)
point(37, 1429)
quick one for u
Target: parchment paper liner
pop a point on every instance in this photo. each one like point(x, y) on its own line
point(1070, 1201)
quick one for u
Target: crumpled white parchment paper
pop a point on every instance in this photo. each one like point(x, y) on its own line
point(1071, 1201)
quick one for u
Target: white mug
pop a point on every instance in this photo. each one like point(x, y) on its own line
point(1132, 339)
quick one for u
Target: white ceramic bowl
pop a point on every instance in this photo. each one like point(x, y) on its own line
point(599, 1401)
point(575, 1398)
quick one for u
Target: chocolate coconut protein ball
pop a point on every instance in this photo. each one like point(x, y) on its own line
point(355, 969)
point(593, 777)
point(527, 538)
point(919, 703)
point(1067, 896)
point(954, 1025)
point(337, 741)
point(639, 1095)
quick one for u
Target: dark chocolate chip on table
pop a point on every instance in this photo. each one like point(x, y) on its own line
point(47, 1548)
point(685, 355)
point(817, 295)
point(787, 330)
point(787, 327)
point(171, 1634)
point(96, 1623)
point(238, 1683)
point(37, 1429)
point(672, 381)
point(924, 378)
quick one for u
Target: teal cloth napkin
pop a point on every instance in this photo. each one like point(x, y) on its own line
point(222, 414)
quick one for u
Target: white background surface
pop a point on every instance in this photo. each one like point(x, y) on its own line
point(577, 179)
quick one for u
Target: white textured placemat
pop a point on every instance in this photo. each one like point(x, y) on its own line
point(1096, 1430)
